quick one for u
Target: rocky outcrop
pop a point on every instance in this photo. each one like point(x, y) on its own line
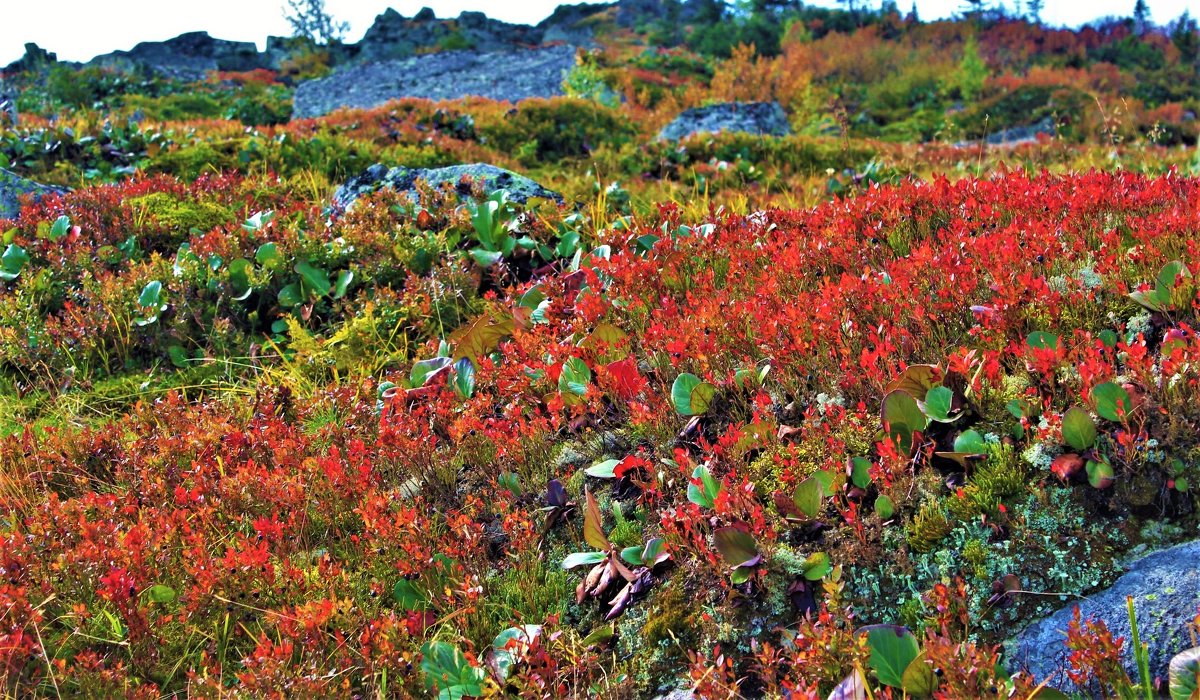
point(394, 36)
point(762, 118)
point(13, 187)
point(1017, 135)
point(405, 180)
point(506, 75)
point(8, 105)
point(1165, 587)
point(35, 59)
point(187, 57)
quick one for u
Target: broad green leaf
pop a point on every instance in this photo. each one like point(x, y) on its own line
point(485, 258)
point(160, 593)
point(633, 555)
point(704, 494)
point(239, 278)
point(736, 546)
point(60, 228)
point(151, 295)
point(448, 673)
point(970, 442)
point(593, 523)
point(409, 596)
point(1042, 340)
point(603, 470)
point(691, 395)
point(860, 472)
point(314, 278)
point(939, 402)
point(1112, 402)
point(817, 566)
point(178, 357)
point(580, 558)
point(422, 369)
point(919, 679)
point(893, 648)
point(510, 645)
point(1078, 429)
point(654, 552)
point(344, 279)
point(574, 379)
point(902, 417)
point(268, 255)
point(463, 379)
point(807, 496)
point(12, 262)
point(290, 296)
point(258, 221)
point(884, 507)
point(1183, 674)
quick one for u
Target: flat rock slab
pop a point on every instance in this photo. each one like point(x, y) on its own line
point(405, 180)
point(762, 118)
point(1165, 587)
point(13, 187)
point(501, 75)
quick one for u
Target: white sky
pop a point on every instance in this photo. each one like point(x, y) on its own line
point(77, 30)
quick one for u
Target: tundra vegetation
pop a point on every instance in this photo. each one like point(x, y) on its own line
point(829, 414)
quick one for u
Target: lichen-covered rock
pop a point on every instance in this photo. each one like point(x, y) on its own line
point(405, 180)
point(506, 75)
point(8, 105)
point(13, 187)
point(188, 56)
point(1165, 587)
point(393, 35)
point(763, 118)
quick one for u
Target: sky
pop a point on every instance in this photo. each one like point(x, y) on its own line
point(77, 30)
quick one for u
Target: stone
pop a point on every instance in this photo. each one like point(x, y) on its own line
point(394, 36)
point(187, 57)
point(761, 118)
point(1018, 135)
point(507, 75)
point(8, 105)
point(404, 179)
point(13, 187)
point(1165, 587)
point(35, 60)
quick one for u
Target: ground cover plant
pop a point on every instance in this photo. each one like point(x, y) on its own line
point(825, 415)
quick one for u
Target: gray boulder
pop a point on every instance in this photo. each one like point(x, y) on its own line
point(1165, 587)
point(13, 187)
point(1017, 135)
point(405, 180)
point(8, 106)
point(395, 36)
point(187, 57)
point(763, 118)
point(506, 75)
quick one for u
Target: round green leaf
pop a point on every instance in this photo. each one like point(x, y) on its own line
point(939, 403)
point(884, 507)
point(603, 470)
point(580, 558)
point(161, 594)
point(902, 417)
point(860, 472)
point(1078, 429)
point(691, 395)
point(1112, 402)
point(893, 648)
point(817, 566)
point(970, 442)
point(1042, 340)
